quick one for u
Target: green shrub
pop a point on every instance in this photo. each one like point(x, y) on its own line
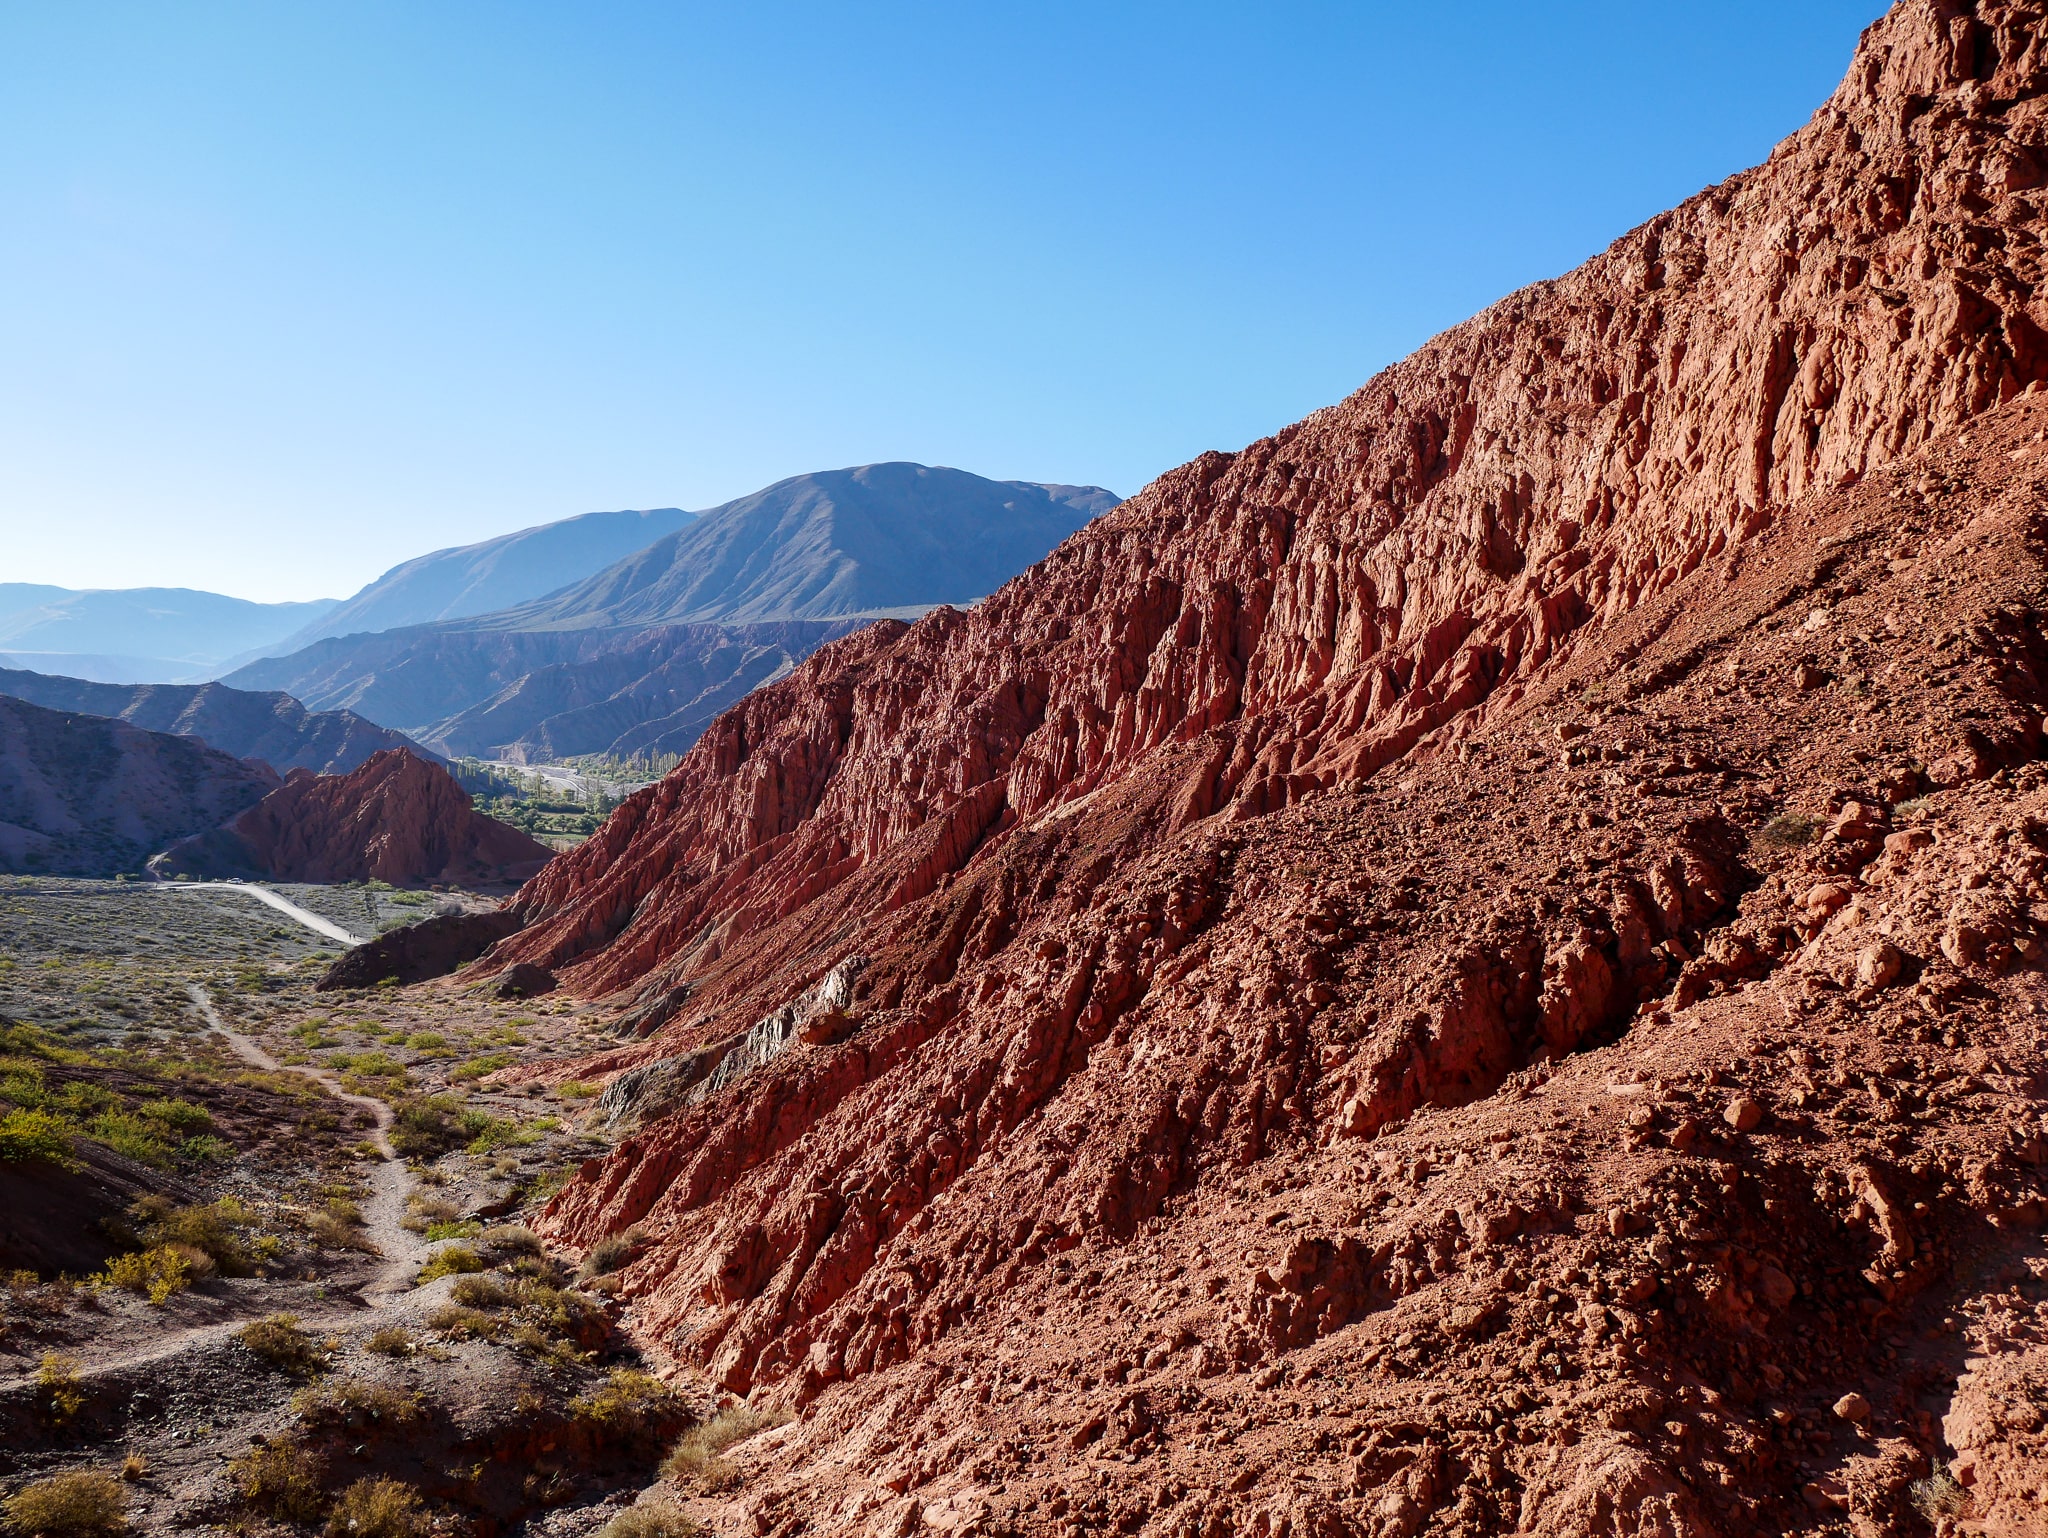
point(280, 1478)
point(180, 1116)
point(454, 1260)
point(279, 1341)
point(377, 1508)
point(57, 1378)
point(462, 1229)
point(133, 1137)
point(27, 1135)
point(80, 1504)
point(479, 1067)
point(158, 1273)
point(431, 1125)
point(479, 1291)
point(215, 1229)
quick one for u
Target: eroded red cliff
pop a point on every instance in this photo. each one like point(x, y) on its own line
point(1472, 963)
point(395, 818)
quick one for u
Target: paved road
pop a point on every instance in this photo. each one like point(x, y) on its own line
point(324, 927)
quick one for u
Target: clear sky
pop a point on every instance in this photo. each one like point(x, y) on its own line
point(294, 292)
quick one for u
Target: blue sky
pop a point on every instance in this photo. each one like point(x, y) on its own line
point(294, 292)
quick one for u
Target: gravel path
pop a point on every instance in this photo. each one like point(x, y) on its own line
point(284, 905)
point(390, 1183)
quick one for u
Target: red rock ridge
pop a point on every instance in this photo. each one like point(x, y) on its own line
point(394, 818)
point(1326, 598)
point(1101, 1094)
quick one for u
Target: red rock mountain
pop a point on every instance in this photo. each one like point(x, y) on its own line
point(1472, 964)
point(395, 818)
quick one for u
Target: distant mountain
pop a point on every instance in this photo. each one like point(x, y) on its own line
point(140, 634)
point(870, 540)
point(89, 796)
point(465, 580)
point(536, 696)
point(641, 655)
point(271, 726)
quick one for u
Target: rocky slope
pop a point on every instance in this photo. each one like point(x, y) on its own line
point(397, 818)
point(1475, 964)
point(84, 795)
point(529, 696)
point(490, 574)
point(272, 727)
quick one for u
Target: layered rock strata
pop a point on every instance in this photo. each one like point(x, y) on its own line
point(1473, 964)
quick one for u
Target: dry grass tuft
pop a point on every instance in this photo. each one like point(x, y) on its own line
point(377, 1508)
point(280, 1478)
point(279, 1341)
point(80, 1504)
point(695, 1460)
point(650, 1522)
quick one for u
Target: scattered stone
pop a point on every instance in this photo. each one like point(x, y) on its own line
point(1744, 1113)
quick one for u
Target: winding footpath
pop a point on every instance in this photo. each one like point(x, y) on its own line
point(390, 1184)
point(326, 928)
point(383, 1224)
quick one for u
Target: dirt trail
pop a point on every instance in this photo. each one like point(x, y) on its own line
point(326, 928)
point(390, 1184)
point(383, 1216)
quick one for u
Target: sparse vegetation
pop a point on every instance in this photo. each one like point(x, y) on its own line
point(80, 1504)
point(377, 1508)
point(57, 1378)
point(431, 1125)
point(612, 1252)
point(662, 1521)
point(511, 1239)
point(280, 1478)
point(695, 1460)
point(479, 1291)
point(391, 1340)
point(352, 1402)
point(279, 1341)
point(450, 1260)
point(1939, 1497)
point(459, 1323)
point(1789, 830)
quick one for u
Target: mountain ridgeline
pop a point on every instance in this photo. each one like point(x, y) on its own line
point(270, 726)
point(641, 655)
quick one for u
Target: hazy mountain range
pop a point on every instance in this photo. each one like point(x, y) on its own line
point(640, 655)
point(611, 632)
point(495, 574)
point(140, 634)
